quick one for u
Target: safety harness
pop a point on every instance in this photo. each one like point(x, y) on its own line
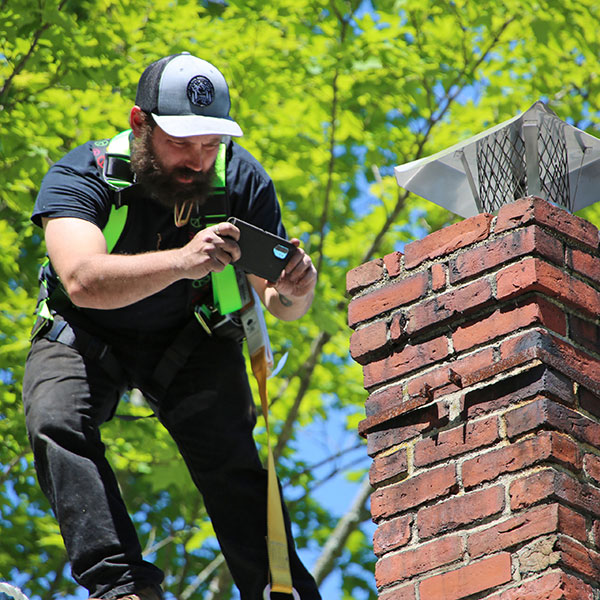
point(235, 311)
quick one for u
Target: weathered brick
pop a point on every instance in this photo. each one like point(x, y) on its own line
point(392, 534)
point(402, 565)
point(438, 277)
point(546, 413)
point(393, 263)
point(468, 580)
point(398, 327)
point(515, 389)
point(578, 557)
point(585, 332)
point(550, 586)
point(454, 303)
point(366, 341)
point(386, 466)
point(554, 485)
point(460, 511)
point(405, 592)
point(514, 530)
point(535, 210)
point(416, 490)
point(589, 401)
point(534, 274)
point(591, 465)
point(447, 240)
point(392, 427)
point(364, 275)
point(499, 251)
point(458, 440)
point(386, 298)
point(584, 263)
point(506, 320)
point(404, 361)
point(451, 377)
point(561, 355)
point(546, 446)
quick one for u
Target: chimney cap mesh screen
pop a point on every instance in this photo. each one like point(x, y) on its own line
point(503, 170)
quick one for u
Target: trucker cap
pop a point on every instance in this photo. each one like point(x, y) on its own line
point(186, 96)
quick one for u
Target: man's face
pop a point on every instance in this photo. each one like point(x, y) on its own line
point(174, 169)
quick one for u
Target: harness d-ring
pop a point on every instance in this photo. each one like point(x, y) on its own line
point(267, 593)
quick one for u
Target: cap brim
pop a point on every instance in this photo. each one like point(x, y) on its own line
point(185, 125)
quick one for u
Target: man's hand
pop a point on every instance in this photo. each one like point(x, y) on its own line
point(210, 250)
point(291, 295)
point(299, 276)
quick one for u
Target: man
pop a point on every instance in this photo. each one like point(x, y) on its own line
point(109, 321)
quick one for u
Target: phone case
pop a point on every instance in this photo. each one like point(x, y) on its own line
point(263, 253)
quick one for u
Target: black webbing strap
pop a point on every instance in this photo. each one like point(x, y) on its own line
point(175, 357)
point(88, 345)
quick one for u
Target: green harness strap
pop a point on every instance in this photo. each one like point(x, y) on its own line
point(226, 294)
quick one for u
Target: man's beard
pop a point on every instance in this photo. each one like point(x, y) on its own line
point(163, 186)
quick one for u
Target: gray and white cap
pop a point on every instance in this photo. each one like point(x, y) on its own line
point(186, 96)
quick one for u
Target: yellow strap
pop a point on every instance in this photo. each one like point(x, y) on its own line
point(279, 562)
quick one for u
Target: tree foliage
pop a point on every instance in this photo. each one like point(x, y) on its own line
point(331, 95)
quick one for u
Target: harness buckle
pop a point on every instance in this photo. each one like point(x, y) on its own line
point(267, 593)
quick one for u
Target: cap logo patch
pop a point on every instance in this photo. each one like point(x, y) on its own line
point(200, 91)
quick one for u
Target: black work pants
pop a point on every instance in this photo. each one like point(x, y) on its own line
point(208, 411)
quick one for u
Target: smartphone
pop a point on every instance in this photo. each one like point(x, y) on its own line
point(263, 253)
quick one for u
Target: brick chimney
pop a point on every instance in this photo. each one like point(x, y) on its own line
point(480, 349)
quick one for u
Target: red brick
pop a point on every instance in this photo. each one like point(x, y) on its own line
point(589, 401)
point(456, 441)
point(591, 465)
point(504, 321)
point(513, 531)
point(534, 274)
point(460, 511)
point(393, 534)
point(450, 378)
point(498, 252)
point(386, 298)
point(400, 566)
point(404, 361)
point(393, 263)
point(546, 446)
point(584, 263)
point(469, 580)
point(398, 327)
point(387, 466)
point(535, 210)
point(449, 305)
point(553, 485)
point(367, 340)
point(416, 490)
point(364, 275)
point(438, 277)
point(551, 415)
point(406, 592)
point(572, 523)
point(550, 586)
point(413, 424)
point(578, 557)
point(447, 240)
point(586, 333)
point(561, 355)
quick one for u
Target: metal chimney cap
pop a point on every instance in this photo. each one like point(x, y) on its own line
point(507, 158)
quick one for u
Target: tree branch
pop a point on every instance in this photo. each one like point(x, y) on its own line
point(337, 540)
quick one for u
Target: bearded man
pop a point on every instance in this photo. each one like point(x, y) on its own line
point(124, 315)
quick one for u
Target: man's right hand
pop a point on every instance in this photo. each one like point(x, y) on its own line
point(211, 250)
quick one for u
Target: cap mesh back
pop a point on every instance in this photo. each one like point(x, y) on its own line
point(147, 91)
